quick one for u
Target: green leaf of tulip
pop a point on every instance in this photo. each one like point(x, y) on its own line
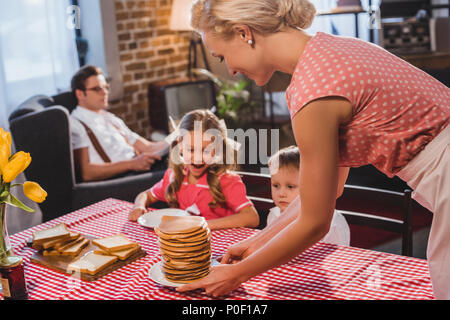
point(13, 201)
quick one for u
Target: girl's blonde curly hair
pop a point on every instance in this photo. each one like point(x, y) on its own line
point(208, 120)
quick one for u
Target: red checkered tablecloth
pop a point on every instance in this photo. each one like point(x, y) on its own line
point(324, 271)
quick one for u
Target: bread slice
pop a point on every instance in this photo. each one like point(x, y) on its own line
point(71, 240)
point(61, 247)
point(51, 252)
point(74, 235)
point(60, 242)
point(38, 247)
point(121, 254)
point(57, 232)
point(91, 263)
point(115, 243)
point(74, 249)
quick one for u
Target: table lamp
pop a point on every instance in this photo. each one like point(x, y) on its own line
point(180, 21)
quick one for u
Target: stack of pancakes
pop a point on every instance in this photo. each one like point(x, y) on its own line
point(185, 245)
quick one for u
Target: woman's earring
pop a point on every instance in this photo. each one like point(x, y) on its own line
point(250, 42)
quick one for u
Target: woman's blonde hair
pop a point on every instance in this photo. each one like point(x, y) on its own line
point(208, 122)
point(262, 16)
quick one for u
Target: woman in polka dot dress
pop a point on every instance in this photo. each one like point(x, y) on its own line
point(352, 103)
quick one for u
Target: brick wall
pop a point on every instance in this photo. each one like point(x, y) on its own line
point(149, 51)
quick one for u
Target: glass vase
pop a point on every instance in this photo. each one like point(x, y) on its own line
point(5, 245)
point(12, 275)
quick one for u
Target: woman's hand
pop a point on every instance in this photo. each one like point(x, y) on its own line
point(239, 251)
point(221, 280)
point(136, 213)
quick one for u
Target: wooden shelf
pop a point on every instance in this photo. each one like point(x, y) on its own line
point(342, 10)
point(355, 10)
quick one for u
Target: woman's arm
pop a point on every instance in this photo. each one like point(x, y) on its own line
point(342, 178)
point(316, 129)
point(241, 250)
point(247, 217)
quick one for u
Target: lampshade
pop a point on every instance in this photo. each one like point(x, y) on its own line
point(180, 18)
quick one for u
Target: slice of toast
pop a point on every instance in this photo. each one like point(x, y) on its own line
point(121, 254)
point(114, 243)
point(91, 263)
point(57, 232)
point(72, 239)
point(74, 249)
point(60, 242)
point(51, 252)
point(63, 246)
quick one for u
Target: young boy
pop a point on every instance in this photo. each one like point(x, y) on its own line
point(284, 175)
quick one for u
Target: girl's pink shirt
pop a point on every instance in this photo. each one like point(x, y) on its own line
point(397, 108)
point(189, 194)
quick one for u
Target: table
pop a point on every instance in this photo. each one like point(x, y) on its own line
point(324, 271)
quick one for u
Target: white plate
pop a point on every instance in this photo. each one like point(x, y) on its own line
point(153, 218)
point(157, 275)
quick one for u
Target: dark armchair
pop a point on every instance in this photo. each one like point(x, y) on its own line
point(41, 126)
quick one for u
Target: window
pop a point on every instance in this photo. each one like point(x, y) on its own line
point(37, 51)
point(343, 25)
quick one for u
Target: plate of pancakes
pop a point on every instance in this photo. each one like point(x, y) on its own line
point(153, 218)
point(185, 247)
point(156, 274)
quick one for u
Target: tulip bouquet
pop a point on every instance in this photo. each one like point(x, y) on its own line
point(10, 168)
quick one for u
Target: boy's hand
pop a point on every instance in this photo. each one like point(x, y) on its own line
point(136, 213)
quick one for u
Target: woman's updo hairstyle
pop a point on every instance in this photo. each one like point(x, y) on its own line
point(263, 16)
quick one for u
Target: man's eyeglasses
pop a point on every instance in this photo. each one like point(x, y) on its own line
point(99, 89)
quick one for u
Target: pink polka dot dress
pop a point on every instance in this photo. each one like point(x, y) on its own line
point(397, 108)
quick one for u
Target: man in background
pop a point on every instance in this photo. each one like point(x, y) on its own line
point(103, 146)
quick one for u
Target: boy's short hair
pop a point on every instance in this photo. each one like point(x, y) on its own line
point(79, 78)
point(285, 157)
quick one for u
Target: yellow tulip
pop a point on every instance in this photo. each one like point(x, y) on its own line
point(6, 136)
point(18, 163)
point(34, 191)
point(4, 156)
point(5, 148)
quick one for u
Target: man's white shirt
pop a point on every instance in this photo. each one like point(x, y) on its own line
point(105, 126)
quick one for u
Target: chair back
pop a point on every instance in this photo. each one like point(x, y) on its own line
point(34, 104)
point(361, 206)
point(259, 192)
point(45, 134)
point(379, 209)
point(66, 99)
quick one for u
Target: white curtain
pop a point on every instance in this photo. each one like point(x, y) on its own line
point(37, 56)
point(37, 51)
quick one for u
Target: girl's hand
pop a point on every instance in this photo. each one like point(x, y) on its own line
point(136, 213)
point(221, 280)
